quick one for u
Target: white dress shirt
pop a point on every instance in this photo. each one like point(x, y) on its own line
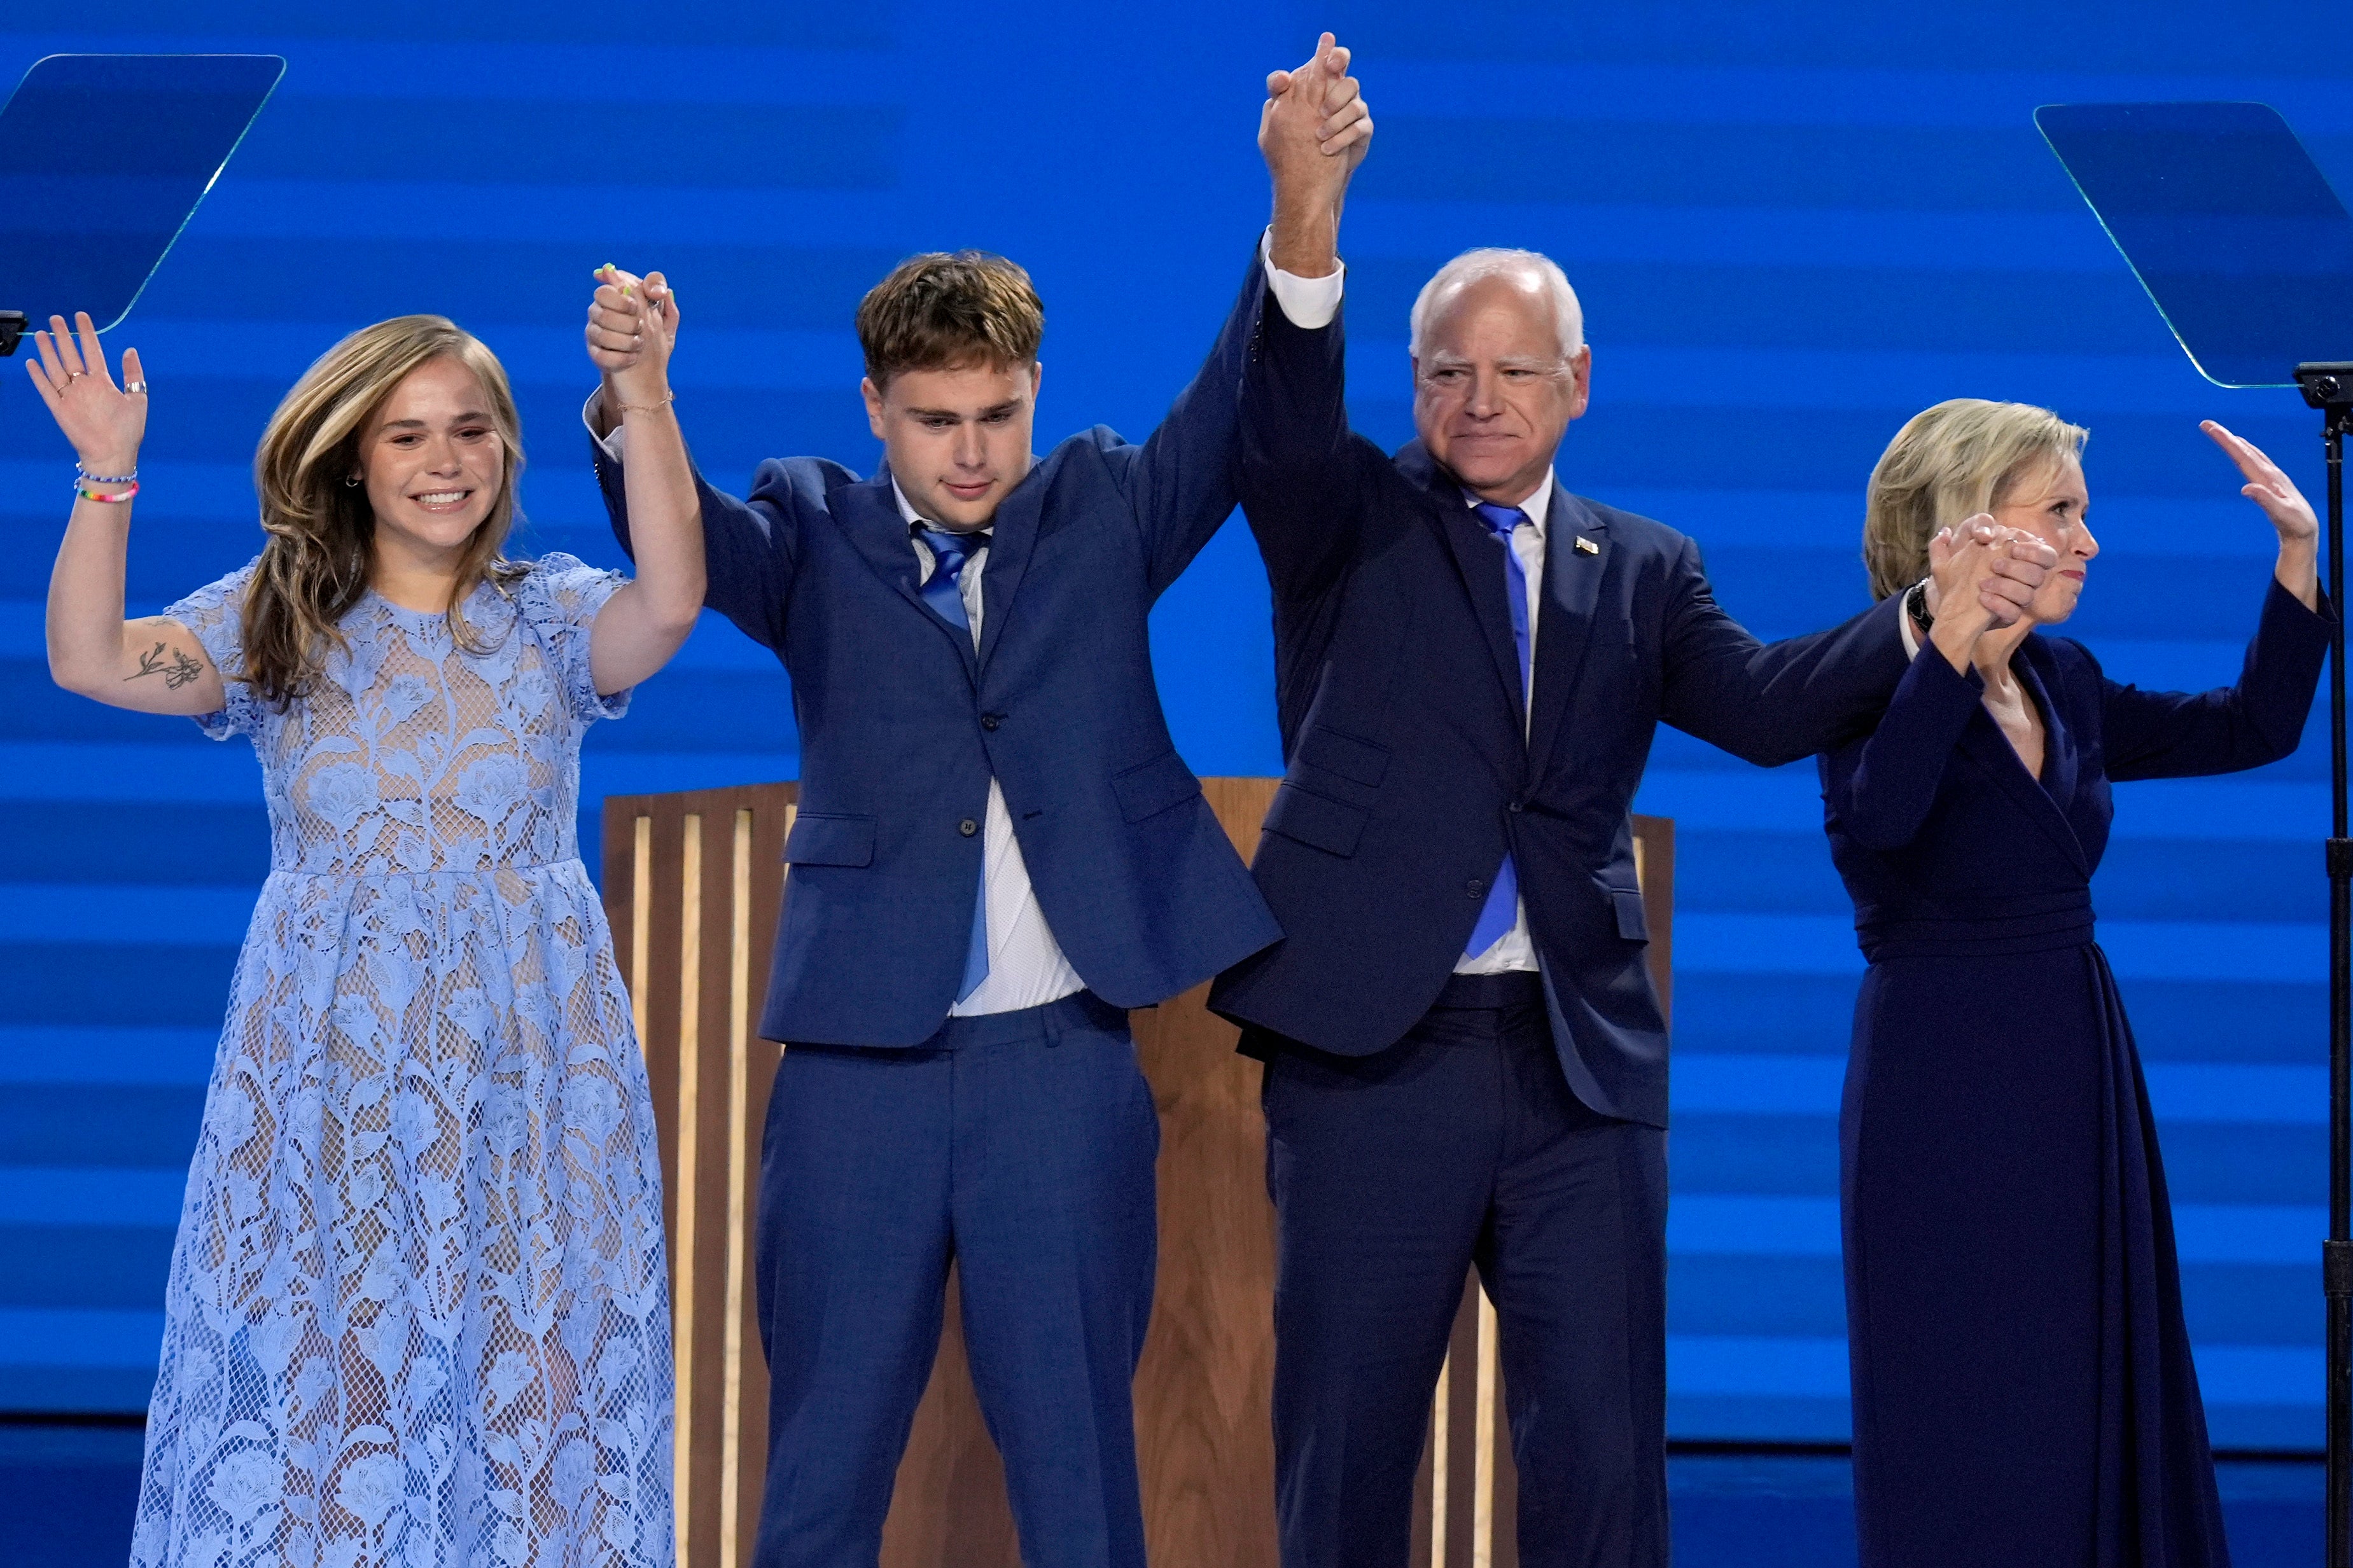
point(1306, 302)
point(1027, 967)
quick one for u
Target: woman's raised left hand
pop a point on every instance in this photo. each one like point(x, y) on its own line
point(2268, 487)
point(2299, 530)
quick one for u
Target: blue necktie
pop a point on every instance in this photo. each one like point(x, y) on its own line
point(949, 554)
point(1502, 910)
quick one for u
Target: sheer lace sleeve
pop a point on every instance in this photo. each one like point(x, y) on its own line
point(559, 601)
point(215, 616)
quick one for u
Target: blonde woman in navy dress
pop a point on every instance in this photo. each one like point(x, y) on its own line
point(2023, 1390)
point(416, 1315)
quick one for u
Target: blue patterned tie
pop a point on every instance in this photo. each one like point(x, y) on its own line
point(1502, 910)
point(949, 552)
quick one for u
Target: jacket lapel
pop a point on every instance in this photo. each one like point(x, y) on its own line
point(1476, 555)
point(1983, 741)
point(869, 514)
point(1012, 538)
point(1572, 586)
point(2060, 756)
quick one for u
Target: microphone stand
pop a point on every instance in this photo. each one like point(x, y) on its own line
point(2329, 387)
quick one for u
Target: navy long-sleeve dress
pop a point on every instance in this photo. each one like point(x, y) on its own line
point(2024, 1391)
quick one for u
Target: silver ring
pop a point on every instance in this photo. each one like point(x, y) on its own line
point(74, 375)
point(137, 388)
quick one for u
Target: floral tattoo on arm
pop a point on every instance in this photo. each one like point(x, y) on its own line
point(172, 664)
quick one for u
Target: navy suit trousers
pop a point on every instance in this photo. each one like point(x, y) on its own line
point(1392, 1174)
point(1021, 1145)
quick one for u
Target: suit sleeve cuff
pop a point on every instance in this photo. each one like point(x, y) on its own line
point(609, 445)
point(1308, 303)
point(2277, 599)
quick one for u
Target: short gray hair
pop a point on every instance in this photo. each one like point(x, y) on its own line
point(1491, 262)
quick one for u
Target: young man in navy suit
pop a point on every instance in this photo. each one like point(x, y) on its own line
point(1466, 1061)
point(998, 852)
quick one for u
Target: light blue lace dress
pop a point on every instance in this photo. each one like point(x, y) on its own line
point(417, 1315)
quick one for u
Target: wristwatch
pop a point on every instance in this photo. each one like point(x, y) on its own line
point(1916, 605)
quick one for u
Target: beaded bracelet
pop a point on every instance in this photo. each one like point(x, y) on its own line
point(130, 479)
point(87, 493)
point(667, 398)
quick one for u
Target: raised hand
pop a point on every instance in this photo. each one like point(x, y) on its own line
point(152, 665)
point(1963, 564)
point(1312, 132)
point(1344, 129)
point(104, 421)
point(2001, 580)
point(632, 329)
point(2291, 514)
point(2268, 487)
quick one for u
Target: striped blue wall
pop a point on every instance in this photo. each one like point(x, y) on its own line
point(1792, 226)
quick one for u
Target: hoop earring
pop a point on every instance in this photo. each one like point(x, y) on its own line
point(351, 481)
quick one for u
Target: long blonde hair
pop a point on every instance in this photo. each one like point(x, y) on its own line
point(321, 531)
point(1946, 465)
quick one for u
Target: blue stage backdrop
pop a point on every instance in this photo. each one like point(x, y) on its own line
point(1792, 226)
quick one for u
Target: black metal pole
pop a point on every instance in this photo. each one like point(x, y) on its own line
point(2329, 388)
point(2336, 1252)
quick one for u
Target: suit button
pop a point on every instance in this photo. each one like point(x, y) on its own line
point(991, 721)
point(967, 827)
point(1475, 887)
point(1519, 805)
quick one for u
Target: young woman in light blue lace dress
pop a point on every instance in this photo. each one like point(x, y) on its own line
point(418, 1314)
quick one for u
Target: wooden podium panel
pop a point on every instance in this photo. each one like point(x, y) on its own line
point(693, 885)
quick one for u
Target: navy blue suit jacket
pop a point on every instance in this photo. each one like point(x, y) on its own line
point(902, 724)
point(1409, 769)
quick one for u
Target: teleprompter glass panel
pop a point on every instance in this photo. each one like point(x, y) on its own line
point(102, 159)
point(2228, 223)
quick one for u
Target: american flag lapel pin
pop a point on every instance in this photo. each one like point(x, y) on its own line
point(1586, 547)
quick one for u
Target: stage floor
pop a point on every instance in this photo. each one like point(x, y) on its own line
point(66, 1497)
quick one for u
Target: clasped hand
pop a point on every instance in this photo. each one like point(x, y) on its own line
point(632, 328)
point(1984, 566)
point(1316, 127)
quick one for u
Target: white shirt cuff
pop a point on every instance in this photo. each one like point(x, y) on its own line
point(1307, 303)
point(609, 444)
point(1910, 631)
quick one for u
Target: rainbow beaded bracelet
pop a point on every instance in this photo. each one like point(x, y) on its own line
point(83, 490)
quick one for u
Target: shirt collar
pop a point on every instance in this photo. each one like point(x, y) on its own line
point(916, 520)
point(1536, 506)
point(906, 509)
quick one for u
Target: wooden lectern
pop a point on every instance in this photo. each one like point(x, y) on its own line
point(692, 883)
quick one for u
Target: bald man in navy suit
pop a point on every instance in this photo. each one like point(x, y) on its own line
point(1466, 1063)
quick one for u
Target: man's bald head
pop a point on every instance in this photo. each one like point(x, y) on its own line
point(1526, 269)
